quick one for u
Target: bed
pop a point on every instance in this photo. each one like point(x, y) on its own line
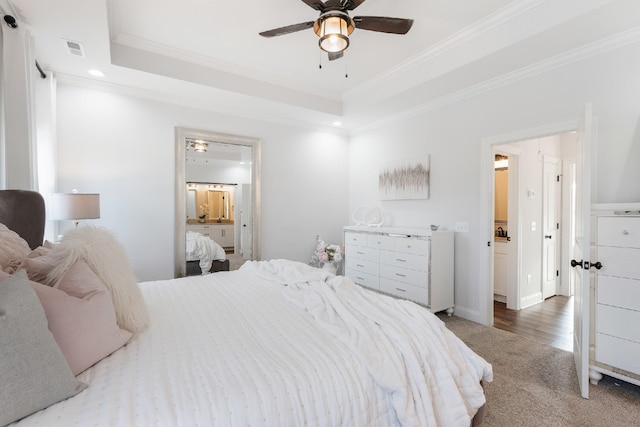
point(204, 255)
point(277, 343)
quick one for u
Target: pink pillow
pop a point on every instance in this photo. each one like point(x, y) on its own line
point(38, 264)
point(81, 317)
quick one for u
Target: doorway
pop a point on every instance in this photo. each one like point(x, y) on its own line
point(532, 191)
point(222, 158)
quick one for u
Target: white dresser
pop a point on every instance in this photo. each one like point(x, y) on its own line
point(616, 308)
point(411, 263)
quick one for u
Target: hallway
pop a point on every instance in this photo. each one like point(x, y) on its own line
point(550, 322)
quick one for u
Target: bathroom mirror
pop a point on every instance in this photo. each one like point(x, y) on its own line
point(208, 201)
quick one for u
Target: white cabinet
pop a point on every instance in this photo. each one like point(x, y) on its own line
point(415, 264)
point(500, 268)
point(222, 234)
point(616, 308)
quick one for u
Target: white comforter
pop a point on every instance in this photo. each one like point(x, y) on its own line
point(203, 249)
point(272, 345)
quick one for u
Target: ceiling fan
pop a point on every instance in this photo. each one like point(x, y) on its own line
point(334, 26)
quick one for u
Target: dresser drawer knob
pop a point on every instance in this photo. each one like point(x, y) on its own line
point(401, 260)
point(401, 275)
point(401, 290)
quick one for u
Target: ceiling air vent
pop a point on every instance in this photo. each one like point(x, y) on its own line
point(75, 48)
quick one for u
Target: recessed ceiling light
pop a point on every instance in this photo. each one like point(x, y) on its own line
point(337, 123)
point(96, 73)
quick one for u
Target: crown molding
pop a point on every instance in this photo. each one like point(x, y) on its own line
point(590, 50)
point(262, 114)
point(463, 36)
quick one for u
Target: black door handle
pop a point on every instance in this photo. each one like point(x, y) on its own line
point(547, 236)
point(575, 263)
point(597, 265)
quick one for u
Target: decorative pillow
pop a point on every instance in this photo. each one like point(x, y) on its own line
point(33, 370)
point(38, 265)
point(13, 249)
point(81, 317)
point(106, 257)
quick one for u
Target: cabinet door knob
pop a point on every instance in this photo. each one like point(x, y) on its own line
point(625, 232)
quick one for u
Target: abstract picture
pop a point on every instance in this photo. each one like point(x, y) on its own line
point(405, 179)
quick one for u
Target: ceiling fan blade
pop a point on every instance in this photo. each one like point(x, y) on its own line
point(352, 4)
point(335, 55)
point(286, 30)
point(315, 4)
point(383, 24)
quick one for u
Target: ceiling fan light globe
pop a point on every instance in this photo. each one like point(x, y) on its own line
point(334, 43)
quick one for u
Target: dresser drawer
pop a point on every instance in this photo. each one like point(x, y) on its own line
point(405, 275)
point(380, 242)
point(618, 322)
point(404, 290)
point(356, 239)
point(362, 252)
point(405, 260)
point(411, 246)
point(619, 292)
point(363, 279)
point(618, 353)
point(364, 265)
point(619, 262)
point(619, 231)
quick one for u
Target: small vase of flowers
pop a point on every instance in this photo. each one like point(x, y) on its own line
point(326, 256)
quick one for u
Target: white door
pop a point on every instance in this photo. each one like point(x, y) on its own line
point(550, 226)
point(581, 250)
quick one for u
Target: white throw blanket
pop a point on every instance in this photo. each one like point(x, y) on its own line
point(204, 249)
point(429, 374)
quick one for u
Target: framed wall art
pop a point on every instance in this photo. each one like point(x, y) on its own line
point(405, 179)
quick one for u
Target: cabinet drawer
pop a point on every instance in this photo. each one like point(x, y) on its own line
point(364, 265)
point(619, 262)
point(362, 252)
point(618, 353)
point(619, 231)
point(404, 260)
point(380, 242)
point(619, 292)
point(404, 290)
point(357, 239)
point(411, 246)
point(363, 279)
point(405, 275)
point(618, 322)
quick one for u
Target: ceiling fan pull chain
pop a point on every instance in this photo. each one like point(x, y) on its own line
point(320, 61)
point(346, 68)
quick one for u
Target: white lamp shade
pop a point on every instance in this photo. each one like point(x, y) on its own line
point(75, 206)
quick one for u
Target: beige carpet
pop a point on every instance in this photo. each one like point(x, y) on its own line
point(536, 385)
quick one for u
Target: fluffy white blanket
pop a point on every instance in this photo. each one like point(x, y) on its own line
point(429, 374)
point(204, 249)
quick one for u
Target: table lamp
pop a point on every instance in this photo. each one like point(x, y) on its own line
point(75, 206)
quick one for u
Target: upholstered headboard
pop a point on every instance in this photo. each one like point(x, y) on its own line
point(23, 212)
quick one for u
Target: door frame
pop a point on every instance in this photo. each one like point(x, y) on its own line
point(487, 146)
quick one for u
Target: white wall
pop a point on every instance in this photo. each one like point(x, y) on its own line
point(452, 134)
point(123, 148)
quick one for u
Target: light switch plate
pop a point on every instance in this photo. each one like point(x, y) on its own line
point(462, 227)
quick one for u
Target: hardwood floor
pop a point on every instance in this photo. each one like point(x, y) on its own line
point(550, 322)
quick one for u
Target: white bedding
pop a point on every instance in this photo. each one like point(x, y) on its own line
point(271, 345)
point(203, 249)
